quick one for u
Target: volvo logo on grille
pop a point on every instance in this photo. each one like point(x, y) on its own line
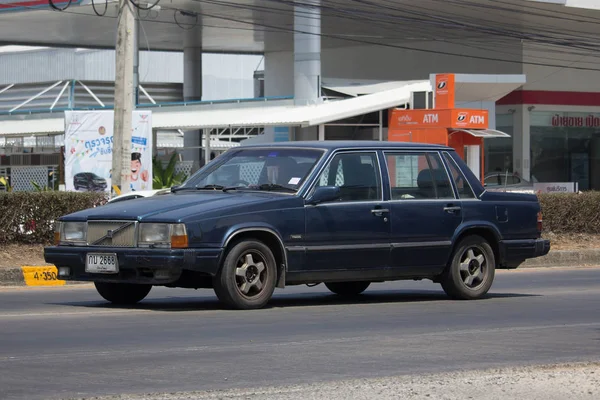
point(111, 233)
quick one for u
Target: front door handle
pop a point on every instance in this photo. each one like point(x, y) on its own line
point(379, 211)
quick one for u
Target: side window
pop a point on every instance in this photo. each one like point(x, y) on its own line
point(418, 176)
point(356, 174)
point(464, 190)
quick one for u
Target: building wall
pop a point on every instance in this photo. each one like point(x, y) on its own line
point(384, 63)
point(564, 77)
point(279, 74)
point(225, 76)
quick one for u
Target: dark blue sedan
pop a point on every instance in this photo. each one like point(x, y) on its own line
point(345, 214)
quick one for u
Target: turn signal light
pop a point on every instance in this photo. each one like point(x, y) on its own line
point(539, 221)
point(179, 238)
point(179, 242)
point(56, 238)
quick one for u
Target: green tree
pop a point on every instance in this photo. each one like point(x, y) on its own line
point(165, 177)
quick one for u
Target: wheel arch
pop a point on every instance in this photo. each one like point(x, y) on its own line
point(489, 232)
point(269, 237)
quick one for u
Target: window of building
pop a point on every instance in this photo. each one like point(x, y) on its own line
point(565, 147)
point(499, 151)
point(356, 174)
point(418, 176)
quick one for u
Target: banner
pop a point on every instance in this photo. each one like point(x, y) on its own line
point(89, 145)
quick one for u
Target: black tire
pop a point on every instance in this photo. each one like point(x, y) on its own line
point(244, 283)
point(471, 270)
point(347, 289)
point(123, 293)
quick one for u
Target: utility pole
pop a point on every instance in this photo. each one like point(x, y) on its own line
point(121, 157)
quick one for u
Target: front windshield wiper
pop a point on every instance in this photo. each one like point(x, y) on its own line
point(275, 186)
point(210, 187)
point(205, 187)
point(228, 188)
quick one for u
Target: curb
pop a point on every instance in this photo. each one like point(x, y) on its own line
point(565, 258)
point(556, 258)
point(23, 276)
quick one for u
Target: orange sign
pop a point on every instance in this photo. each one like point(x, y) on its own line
point(469, 119)
point(444, 91)
point(455, 118)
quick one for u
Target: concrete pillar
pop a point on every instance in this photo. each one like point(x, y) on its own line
point(307, 52)
point(192, 91)
point(136, 60)
point(521, 142)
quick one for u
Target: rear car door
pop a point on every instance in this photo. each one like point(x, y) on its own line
point(354, 232)
point(425, 211)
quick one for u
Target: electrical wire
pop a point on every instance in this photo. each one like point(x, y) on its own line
point(274, 28)
point(105, 8)
point(54, 6)
point(149, 7)
point(186, 14)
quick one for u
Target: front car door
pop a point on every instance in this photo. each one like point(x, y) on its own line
point(425, 211)
point(353, 232)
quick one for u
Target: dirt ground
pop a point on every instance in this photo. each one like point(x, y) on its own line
point(33, 255)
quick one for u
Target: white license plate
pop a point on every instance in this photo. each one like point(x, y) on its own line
point(101, 263)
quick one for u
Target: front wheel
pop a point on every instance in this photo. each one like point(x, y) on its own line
point(347, 289)
point(471, 270)
point(247, 277)
point(123, 293)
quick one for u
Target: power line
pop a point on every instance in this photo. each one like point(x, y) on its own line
point(275, 28)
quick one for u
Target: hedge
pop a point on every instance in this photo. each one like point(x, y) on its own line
point(571, 212)
point(28, 217)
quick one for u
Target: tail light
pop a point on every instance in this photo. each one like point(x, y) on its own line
point(539, 221)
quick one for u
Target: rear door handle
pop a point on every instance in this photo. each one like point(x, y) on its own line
point(452, 209)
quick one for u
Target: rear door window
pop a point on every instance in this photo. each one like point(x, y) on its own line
point(418, 175)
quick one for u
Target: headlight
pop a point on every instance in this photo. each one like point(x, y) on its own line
point(72, 232)
point(163, 235)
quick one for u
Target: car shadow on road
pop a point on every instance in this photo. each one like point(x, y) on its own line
point(281, 300)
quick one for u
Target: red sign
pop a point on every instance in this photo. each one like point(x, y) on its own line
point(591, 121)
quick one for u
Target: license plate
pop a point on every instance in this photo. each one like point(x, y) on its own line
point(101, 263)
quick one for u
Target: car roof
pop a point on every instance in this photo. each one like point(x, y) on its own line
point(348, 144)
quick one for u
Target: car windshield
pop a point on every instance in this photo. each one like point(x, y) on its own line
point(268, 169)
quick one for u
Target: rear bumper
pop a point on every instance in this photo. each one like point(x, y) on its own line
point(514, 252)
point(151, 266)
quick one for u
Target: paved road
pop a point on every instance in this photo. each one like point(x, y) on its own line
point(65, 342)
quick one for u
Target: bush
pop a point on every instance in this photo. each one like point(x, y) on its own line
point(571, 212)
point(28, 217)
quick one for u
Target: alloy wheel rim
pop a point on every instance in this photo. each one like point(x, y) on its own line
point(251, 274)
point(473, 267)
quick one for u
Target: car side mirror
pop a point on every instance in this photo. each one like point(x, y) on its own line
point(323, 194)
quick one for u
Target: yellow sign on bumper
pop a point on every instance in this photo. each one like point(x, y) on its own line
point(41, 276)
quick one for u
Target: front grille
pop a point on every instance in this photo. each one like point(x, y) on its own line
point(111, 233)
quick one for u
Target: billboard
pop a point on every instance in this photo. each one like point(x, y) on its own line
point(88, 150)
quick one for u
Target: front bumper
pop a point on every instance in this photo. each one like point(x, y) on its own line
point(514, 252)
point(136, 265)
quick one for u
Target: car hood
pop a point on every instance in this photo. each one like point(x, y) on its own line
point(176, 205)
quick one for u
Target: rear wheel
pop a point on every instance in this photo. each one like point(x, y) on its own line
point(471, 271)
point(247, 277)
point(123, 293)
point(347, 289)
